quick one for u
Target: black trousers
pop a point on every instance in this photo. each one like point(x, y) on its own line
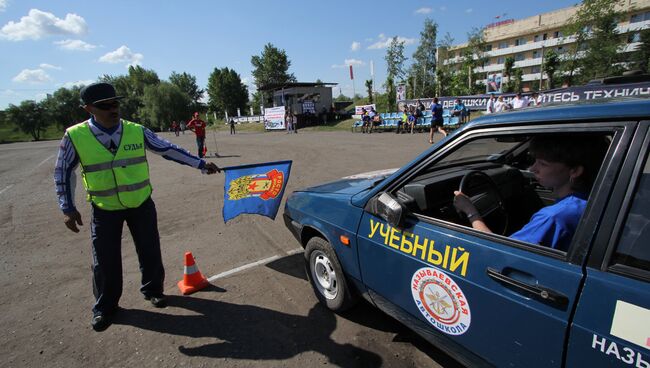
point(106, 230)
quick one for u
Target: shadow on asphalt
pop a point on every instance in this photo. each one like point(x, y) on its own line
point(367, 315)
point(250, 332)
point(293, 265)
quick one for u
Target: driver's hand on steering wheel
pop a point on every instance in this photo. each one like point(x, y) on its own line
point(464, 204)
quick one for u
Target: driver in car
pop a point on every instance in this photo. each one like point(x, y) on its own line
point(567, 164)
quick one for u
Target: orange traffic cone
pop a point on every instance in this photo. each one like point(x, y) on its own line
point(192, 280)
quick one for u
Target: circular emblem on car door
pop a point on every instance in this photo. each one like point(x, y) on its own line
point(441, 301)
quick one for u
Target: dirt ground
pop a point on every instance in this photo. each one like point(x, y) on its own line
point(262, 316)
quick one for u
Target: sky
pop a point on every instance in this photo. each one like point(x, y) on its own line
point(46, 44)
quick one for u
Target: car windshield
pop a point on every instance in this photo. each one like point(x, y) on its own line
point(486, 149)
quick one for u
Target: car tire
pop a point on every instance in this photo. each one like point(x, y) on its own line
point(326, 276)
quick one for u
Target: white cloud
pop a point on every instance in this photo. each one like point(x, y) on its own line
point(38, 24)
point(3, 5)
point(78, 83)
point(33, 76)
point(122, 55)
point(469, 10)
point(355, 46)
point(75, 45)
point(423, 11)
point(49, 66)
point(348, 62)
point(385, 42)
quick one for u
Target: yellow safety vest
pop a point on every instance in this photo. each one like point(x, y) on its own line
point(113, 182)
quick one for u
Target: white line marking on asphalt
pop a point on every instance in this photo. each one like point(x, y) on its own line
point(254, 264)
point(7, 187)
point(44, 161)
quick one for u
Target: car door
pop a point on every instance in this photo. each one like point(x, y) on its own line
point(612, 320)
point(501, 301)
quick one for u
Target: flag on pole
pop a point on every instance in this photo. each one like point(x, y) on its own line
point(351, 74)
point(254, 189)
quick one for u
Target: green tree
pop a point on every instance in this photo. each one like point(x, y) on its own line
point(271, 67)
point(163, 103)
point(424, 61)
point(395, 68)
point(226, 92)
point(508, 65)
point(551, 65)
point(187, 83)
point(132, 87)
point(641, 55)
point(444, 72)
point(63, 107)
point(369, 90)
point(595, 52)
point(517, 81)
point(30, 117)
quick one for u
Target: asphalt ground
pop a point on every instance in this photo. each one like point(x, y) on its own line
point(259, 311)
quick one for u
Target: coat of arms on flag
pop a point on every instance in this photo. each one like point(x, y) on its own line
point(254, 189)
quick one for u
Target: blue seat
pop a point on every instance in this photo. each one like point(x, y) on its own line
point(427, 120)
point(383, 115)
point(393, 115)
point(453, 120)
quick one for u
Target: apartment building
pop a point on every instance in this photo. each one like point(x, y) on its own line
point(526, 40)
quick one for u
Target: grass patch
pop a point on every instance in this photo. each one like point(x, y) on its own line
point(9, 133)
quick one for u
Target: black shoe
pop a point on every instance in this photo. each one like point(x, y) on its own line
point(101, 321)
point(159, 301)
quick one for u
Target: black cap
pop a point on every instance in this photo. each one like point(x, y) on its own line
point(98, 92)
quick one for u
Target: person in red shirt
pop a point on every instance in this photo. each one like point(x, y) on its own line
point(198, 127)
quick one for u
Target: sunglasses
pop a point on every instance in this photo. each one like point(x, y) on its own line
point(107, 105)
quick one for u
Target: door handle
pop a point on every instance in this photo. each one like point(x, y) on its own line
point(541, 293)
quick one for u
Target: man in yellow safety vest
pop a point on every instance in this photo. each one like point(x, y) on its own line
point(115, 174)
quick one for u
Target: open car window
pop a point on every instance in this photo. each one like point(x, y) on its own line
point(499, 182)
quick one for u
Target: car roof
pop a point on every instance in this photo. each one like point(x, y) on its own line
point(601, 110)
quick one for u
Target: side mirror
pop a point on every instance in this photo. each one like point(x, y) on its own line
point(388, 208)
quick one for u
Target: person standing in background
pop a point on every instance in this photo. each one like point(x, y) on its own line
point(437, 120)
point(198, 127)
point(232, 126)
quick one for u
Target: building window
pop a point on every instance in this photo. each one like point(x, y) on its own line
point(501, 60)
point(633, 37)
point(488, 47)
point(503, 44)
point(520, 41)
point(536, 54)
point(519, 56)
point(557, 34)
point(635, 18)
point(646, 16)
point(537, 38)
point(545, 36)
point(560, 50)
point(535, 69)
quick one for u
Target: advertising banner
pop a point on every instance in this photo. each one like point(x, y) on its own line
point(552, 96)
point(494, 83)
point(274, 118)
point(308, 106)
point(357, 109)
point(401, 92)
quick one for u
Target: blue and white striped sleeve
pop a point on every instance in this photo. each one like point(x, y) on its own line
point(170, 151)
point(65, 179)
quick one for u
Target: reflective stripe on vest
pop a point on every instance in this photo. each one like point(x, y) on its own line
point(113, 181)
point(116, 163)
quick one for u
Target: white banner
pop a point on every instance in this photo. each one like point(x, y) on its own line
point(357, 109)
point(274, 118)
point(401, 92)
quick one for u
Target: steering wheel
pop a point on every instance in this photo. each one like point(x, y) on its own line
point(488, 202)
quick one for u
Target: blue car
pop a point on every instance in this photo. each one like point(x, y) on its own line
point(473, 247)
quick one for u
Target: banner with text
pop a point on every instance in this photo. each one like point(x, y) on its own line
point(274, 118)
point(551, 96)
point(358, 109)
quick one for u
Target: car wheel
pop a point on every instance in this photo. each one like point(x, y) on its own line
point(326, 276)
